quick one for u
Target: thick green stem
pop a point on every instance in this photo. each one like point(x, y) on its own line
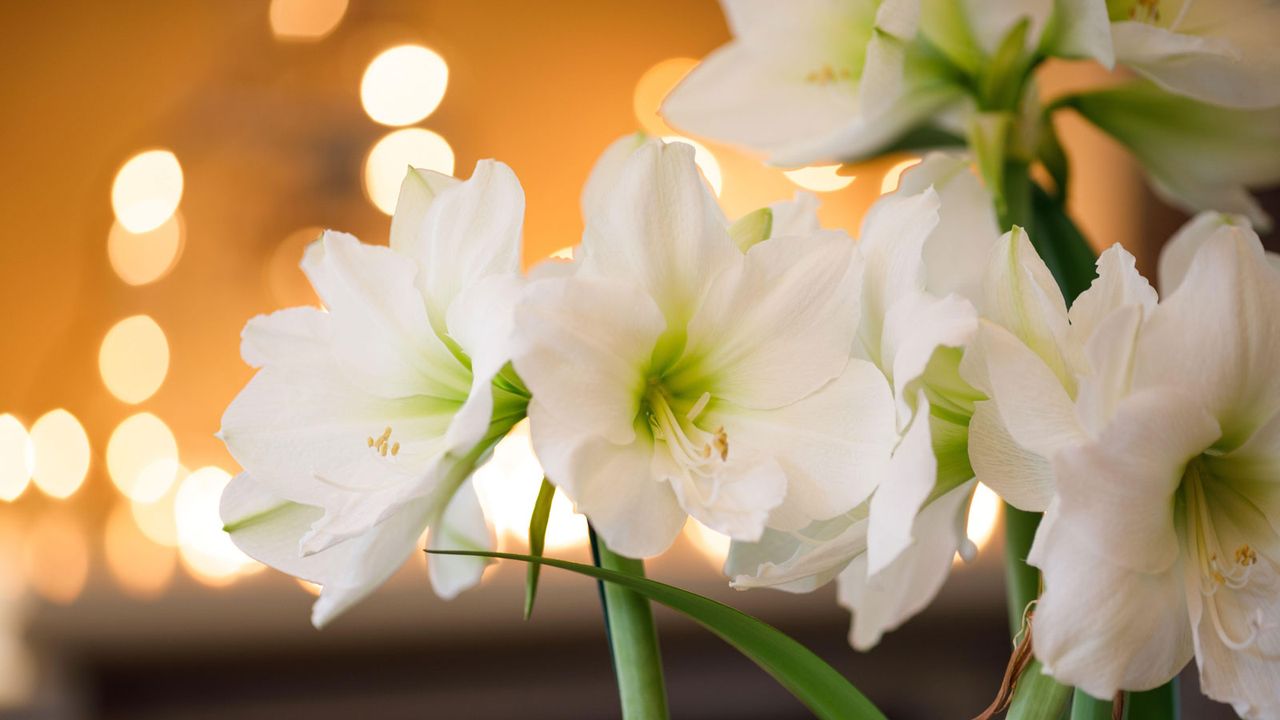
point(1022, 582)
point(1037, 696)
point(1158, 704)
point(1087, 707)
point(633, 639)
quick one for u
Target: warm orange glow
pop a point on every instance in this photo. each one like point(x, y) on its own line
point(134, 359)
point(508, 487)
point(61, 453)
point(56, 557)
point(155, 519)
point(17, 458)
point(142, 457)
point(141, 258)
point(314, 589)
point(893, 175)
point(390, 157)
point(653, 87)
point(207, 551)
point(141, 567)
point(706, 162)
point(710, 544)
point(305, 20)
point(147, 190)
point(404, 85)
point(984, 514)
point(285, 280)
point(819, 178)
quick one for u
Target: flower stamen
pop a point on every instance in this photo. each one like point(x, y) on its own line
point(383, 444)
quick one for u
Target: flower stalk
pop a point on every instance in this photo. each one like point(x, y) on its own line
point(633, 639)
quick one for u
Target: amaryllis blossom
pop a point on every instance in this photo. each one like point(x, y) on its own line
point(674, 374)
point(1157, 429)
point(925, 248)
point(365, 419)
point(1222, 52)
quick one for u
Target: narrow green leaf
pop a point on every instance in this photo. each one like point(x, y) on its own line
point(1038, 696)
point(1060, 243)
point(537, 539)
point(816, 684)
point(1087, 707)
point(1158, 704)
point(1002, 77)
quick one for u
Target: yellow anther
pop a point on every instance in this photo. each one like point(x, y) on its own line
point(721, 441)
point(1246, 556)
point(395, 449)
point(370, 441)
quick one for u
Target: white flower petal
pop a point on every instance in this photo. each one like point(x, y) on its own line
point(605, 173)
point(1227, 305)
point(612, 484)
point(1179, 252)
point(269, 528)
point(1102, 627)
point(583, 348)
point(882, 602)
point(777, 327)
point(802, 560)
point(1020, 477)
point(1110, 356)
point(462, 526)
point(481, 320)
point(795, 217)
point(834, 445)
point(298, 335)
point(1118, 284)
point(380, 331)
point(736, 501)
point(913, 472)
point(1116, 493)
point(1022, 297)
point(1081, 30)
point(914, 329)
point(661, 227)
point(418, 191)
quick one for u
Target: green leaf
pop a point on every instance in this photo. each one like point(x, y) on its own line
point(816, 684)
point(1002, 78)
point(537, 539)
point(1158, 704)
point(1038, 696)
point(1061, 245)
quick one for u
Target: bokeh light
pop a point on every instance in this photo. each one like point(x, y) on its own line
point(819, 178)
point(56, 557)
point(61, 450)
point(652, 87)
point(155, 519)
point(390, 158)
point(710, 544)
point(706, 162)
point(142, 457)
point(508, 488)
point(147, 190)
point(141, 258)
point(207, 551)
point(141, 567)
point(984, 515)
point(404, 85)
point(17, 458)
point(893, 175)
point(285, 280)
point(305, 20)
point(134, 359)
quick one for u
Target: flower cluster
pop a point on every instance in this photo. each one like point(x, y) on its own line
point(827, 402)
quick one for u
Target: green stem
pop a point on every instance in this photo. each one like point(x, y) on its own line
point(1037, 696)
point(1087, 707)
point(1022, 582)
point(633, 639)
point(1158, 704)
point(1015, 194)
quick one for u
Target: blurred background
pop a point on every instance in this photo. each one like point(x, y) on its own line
point(165, 164)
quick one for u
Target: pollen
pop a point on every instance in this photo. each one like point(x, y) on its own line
point(383, 444)
point(721, 442)
point(1246, 556)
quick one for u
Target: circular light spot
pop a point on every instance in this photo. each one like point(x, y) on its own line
point(142, 457)
point(305, 20)
point(710, 544)
point(155, 519)
point(141, 258)
point(893, 175)
point(819, 178)
point(404, 85)
point(706, 162)
point(285, 280)
point(56, 557)
point(142, 568)
point(508, 487)
point(134, 359)
point(652, 89)
point(17, 458)
point(147, 190)
point(206, 550)
point(61, 453)
point(385, 166)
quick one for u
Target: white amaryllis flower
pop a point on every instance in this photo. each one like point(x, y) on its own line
point(365, 420)
point(1222, 52)
point(925, 247)
point(673, 374)
point(1158, 430)
point(1197, 156)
